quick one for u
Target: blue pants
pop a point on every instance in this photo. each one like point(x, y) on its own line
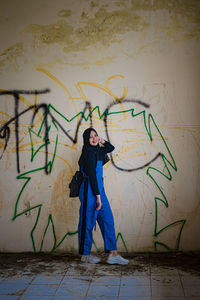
point(88, 215)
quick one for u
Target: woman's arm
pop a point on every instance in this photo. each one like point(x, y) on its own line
point(108, 147)
point(90, 170)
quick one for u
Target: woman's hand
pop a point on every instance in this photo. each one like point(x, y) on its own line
point(102, 141)
point(98, 202)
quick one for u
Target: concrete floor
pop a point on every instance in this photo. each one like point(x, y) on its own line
point(61, 277)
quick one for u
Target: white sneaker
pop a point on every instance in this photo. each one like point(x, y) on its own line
point(117, 260)
point(90, 259)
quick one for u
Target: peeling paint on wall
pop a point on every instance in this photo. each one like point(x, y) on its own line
point(106, 25)
point(65, 13)
point(104, 28)
point(12, 55)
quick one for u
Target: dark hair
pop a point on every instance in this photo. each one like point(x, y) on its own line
point(86, 136)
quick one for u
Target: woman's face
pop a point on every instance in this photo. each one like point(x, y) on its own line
point(94, 138)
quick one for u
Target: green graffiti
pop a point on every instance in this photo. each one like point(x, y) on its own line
point(119, 235)
point(27, 176)
point(163, 199)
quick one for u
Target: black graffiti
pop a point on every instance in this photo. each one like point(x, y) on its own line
point(108, 138)
point(75, 138)
point(5, 130)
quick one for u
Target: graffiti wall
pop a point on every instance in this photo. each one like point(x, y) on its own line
point(131, 70)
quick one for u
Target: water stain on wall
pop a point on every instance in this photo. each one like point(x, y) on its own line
point(104, 27)
point(65, 13)
point(105, 60)
point(27, 206)
point(60, 195)
point(106, 23)
point(59, 33)
point(64, 210)
point(10, 56)
point(184, 15)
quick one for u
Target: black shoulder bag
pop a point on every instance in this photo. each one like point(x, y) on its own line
point(75, 184)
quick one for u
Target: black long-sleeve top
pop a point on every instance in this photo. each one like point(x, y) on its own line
point(90, 160)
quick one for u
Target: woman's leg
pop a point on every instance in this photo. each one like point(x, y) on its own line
point(87, 219)
point(106, 223)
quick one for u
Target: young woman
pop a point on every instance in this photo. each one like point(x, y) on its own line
point(94, 203)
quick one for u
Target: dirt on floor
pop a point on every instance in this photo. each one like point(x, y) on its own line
point(16, 264)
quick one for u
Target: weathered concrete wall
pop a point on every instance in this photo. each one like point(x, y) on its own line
point(129, 68)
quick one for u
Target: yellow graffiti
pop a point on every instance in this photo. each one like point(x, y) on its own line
point(104, 88)
point(81, 93)
point(62, 86)
point(5, 114)
point(185, 127)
